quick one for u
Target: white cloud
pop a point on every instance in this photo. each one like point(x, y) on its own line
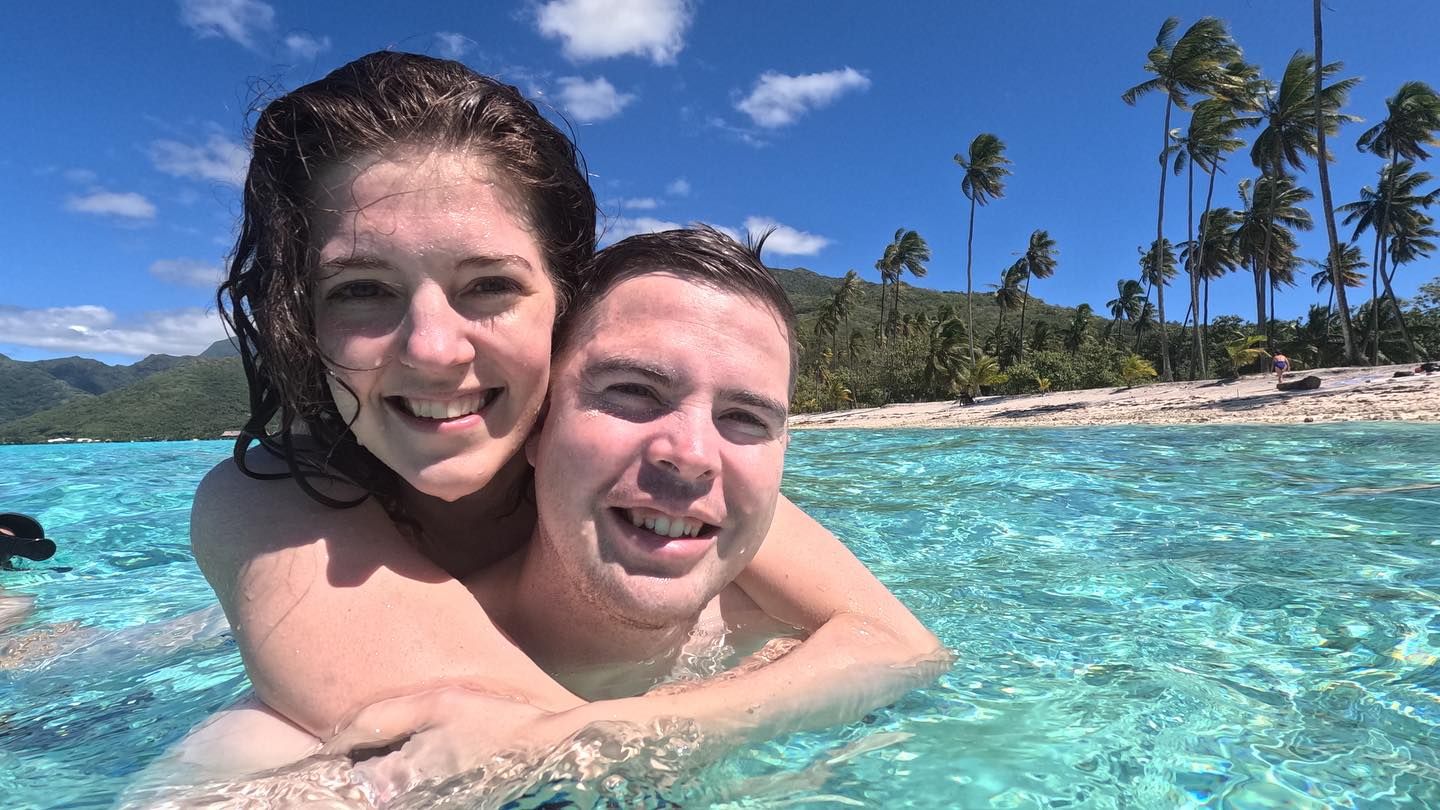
point(599, 29)
point(125, 204)
point(304, 46)
point(187, 272)
point(680, 187)
point(745, 136)
point(240, 21)
point(219, 159)
point(452, 45)
point(98, 330)
point(640, 203)
point(82, 177)
point(621, 227)
point(786, 240)
point(593, 100)
point(778, 100)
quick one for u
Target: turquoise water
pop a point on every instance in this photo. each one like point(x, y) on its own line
point(1143, 617)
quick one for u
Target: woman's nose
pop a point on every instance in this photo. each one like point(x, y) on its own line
point(437, 336)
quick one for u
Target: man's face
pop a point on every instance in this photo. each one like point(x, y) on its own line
point(659, 463)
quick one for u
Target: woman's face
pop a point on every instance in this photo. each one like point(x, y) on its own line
point(433, 307)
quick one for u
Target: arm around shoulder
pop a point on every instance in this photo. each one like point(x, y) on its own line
point(333, 610)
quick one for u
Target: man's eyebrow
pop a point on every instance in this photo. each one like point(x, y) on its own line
point(760, 401)
point(609, 365)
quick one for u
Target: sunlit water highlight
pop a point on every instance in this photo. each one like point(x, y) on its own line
point(1143, 617)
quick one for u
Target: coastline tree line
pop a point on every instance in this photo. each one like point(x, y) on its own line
point(1213, 101)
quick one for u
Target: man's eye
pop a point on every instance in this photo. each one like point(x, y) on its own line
point(747, 422)
point(358, 291)
point(633, 391)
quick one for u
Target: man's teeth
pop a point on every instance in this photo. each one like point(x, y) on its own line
point(666, 526)
point(433, 409)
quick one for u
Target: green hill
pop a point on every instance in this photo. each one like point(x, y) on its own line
point(26, 388)
point(199, 399)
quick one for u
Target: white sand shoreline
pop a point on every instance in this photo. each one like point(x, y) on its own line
point(1345, 395)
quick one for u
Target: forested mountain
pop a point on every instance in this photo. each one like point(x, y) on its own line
point(198, 399)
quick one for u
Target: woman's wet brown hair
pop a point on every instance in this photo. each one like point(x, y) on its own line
point(371, 107)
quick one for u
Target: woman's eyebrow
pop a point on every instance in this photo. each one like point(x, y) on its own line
point(355, 262)
point(508, 259)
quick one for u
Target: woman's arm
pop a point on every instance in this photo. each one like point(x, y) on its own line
point(333, 611)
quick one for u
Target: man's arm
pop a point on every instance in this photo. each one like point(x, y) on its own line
point(804, 576)
point(332, 610)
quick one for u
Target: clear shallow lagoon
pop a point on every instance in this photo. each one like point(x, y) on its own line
point(1143, 617)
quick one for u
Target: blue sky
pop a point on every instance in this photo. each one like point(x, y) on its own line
point(835, 120)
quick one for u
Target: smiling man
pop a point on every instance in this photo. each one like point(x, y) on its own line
point(657, 469)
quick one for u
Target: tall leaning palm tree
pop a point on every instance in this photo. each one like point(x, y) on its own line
point(986, 168)
point(1322, 162)
point(1289, 112)
point(1411, 122)
point(1194, 63)
point(1039, 261)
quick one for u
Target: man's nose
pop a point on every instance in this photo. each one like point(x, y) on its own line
point(687, 447)
point(437, 336)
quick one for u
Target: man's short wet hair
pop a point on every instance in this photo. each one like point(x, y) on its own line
point(699, 253)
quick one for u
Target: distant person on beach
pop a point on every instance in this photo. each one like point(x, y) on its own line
point(1281, 364)
point(412, 235)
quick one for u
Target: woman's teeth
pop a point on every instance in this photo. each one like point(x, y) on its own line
point(666, 526)
point(449, 409)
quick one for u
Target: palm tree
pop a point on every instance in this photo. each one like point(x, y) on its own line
point(1211, 258)
point(1264, 239)
point(845, 297)
point(1194, 63)
point(1322, 161)
point(1210, 137)
point(907, 251)
point(1351, 263)
point(1394, 211)
point(1293, 113)
point(1077, 329)
point(985, 173)
point(944, 353)
point(976, 372)
point(827, 322)
point(1125, 306)
point(1040, 336)
point(1411, 121)
point(1038, 262)
point(1008, 296)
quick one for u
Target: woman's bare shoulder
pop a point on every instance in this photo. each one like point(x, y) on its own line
point(237, 519)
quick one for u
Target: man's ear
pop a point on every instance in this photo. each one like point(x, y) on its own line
point(532, 441)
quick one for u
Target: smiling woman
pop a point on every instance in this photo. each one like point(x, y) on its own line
point(412, 232)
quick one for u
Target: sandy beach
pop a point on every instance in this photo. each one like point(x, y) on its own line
point(1344, 395)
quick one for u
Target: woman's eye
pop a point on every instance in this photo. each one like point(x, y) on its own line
point(358, 291)
point(494, 285)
